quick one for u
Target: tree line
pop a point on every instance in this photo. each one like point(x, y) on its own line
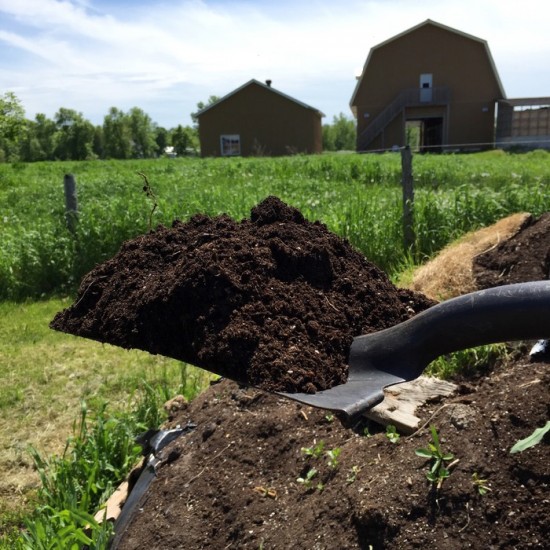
point(70, 136)
point(123, 135)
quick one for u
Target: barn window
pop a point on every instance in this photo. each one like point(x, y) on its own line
point(230, 145)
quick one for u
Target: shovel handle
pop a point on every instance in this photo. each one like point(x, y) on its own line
point(500, 314)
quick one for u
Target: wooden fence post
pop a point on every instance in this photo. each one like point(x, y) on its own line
point(71, 203)
point(408, 198)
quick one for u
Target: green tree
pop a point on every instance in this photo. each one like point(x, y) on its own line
point(98, 143)
point(184, 140)
point(74, 137)
point(38, 142)
point(142, 132)
point(340, 135)
point(116, 135)
point(12, 126)
point(162, 139)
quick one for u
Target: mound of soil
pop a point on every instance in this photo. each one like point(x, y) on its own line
point(273, 301)
point(521, 258)
point(233, 482)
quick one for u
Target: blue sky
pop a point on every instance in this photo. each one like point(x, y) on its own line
point(164, 57)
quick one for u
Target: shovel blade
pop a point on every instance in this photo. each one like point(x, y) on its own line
point(401, 353)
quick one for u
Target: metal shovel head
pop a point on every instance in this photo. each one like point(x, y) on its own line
point(368, 375)
point(401, 353)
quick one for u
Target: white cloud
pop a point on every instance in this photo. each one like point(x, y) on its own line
point(91, 54)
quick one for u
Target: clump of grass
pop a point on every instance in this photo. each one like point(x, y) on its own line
point(76, 484)
point(480, 484)
point(468, 362)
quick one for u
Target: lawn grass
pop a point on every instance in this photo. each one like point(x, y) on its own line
point(45, 376)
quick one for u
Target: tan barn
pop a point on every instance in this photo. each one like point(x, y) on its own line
point(256, 119)
point(437, 80)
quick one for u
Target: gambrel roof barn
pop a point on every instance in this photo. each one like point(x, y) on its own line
point(438, 79)
point(256, 119)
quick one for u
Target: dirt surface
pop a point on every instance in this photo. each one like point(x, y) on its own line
point(233, 482)
point(521, 258)
point(273, 301)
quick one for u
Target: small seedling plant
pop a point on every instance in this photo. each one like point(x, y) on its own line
point(439, 470)
point(352, 476)
point(480, 484)
point(307, 480)
point(332, 457)
point(316, 451)
point(392, 434)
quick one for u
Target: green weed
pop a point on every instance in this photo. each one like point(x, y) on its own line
point(316, 451)
point(332, 457)
point(392, 434)
point(307, 480)
point(480, 484)
point(438, 470)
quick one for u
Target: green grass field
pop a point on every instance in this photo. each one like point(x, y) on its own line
point(45, 376)
point(357, 196)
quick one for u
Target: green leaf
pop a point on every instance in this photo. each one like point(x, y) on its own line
point(435, 437)
point(424, 453)
point(436, 465)
point(532, 440)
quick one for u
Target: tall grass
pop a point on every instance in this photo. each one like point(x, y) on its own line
point(73, 486)
point(357, 196)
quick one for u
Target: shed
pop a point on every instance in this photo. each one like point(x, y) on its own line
point(524, 123)
point(256, 119)
point(437, 80)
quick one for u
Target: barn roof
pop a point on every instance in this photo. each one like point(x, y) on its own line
point(257, 82)
point(435, 24)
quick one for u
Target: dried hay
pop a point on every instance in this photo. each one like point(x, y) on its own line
point(449, 274)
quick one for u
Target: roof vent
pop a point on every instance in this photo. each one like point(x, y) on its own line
point(268, 83)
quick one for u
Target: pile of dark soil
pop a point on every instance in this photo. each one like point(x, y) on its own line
point(233, 482)
point(521, 258)
point(273, 301)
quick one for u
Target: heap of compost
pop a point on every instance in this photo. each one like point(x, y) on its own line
point(272, 301)
point(523, 257)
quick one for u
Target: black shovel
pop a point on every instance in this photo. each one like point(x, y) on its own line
point(402, 352)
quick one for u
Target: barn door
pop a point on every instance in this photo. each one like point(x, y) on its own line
point(426, 87)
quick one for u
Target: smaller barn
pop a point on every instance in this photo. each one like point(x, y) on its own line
point(256, 120)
